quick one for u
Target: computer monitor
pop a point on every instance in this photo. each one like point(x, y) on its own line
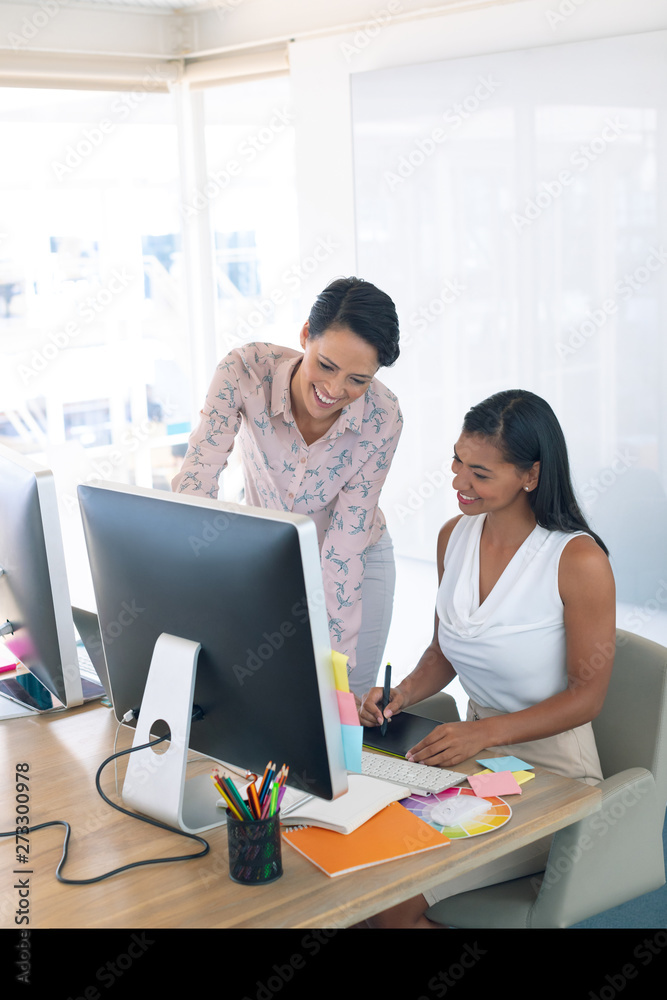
point(35, 611)
point(239, 591)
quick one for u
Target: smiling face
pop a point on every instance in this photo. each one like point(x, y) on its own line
point(336, 369)
point(484, 481)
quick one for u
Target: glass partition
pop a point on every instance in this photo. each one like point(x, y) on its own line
point(514, 205)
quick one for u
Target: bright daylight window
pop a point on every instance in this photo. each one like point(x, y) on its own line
point(95, 379)
point(252, 202)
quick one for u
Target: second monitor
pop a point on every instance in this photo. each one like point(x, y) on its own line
point(35, 611)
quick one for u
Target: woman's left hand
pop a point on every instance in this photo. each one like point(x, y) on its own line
point(449, 744)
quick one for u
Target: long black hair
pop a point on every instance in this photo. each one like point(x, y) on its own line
point(364, 309)
point(526, 430)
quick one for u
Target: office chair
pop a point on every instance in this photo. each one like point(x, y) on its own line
point(613, 855)
point(440, 707)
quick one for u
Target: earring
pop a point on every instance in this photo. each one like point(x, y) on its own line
point(527, 489)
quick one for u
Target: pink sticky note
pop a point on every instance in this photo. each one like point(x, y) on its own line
point(347, 707)
point(497, 783)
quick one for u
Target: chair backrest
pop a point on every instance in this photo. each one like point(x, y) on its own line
point(631, 729)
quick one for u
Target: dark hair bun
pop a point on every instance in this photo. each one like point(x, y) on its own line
point(364, 309)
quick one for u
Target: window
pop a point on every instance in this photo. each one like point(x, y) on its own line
point(96, 353)
point(251, 196)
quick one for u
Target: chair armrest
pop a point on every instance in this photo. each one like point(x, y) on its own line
point(606, 858)
point(440, 707)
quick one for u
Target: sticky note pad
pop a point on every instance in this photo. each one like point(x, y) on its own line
point(352, 738)
point(504, 763)
point(347, 707)
point(521, 777)
point(339, 661)
point(496, 783)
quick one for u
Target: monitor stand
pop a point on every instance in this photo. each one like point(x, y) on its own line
point(155, 783)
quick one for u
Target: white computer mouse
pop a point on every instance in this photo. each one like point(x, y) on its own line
point(455, 808)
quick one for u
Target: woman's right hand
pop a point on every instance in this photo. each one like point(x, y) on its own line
point(371, 714)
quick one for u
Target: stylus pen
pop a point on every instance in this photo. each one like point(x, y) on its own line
point(386, 697)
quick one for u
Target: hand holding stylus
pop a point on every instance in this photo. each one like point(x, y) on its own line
point(375, 709)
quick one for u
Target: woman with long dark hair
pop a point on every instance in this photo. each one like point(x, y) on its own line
point(527, 431)
point(317, 433)
point(525, 615)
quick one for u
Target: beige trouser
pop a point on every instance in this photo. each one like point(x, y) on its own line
point(572, 754)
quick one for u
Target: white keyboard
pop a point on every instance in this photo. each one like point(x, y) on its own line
point(91, 685)
point(420, 778)
point(86, 667)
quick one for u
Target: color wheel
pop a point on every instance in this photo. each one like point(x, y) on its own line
point(498, 813)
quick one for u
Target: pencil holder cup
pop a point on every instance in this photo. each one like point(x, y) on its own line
point(254, 849)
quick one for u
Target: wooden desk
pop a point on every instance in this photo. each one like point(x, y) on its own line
point(63, 752)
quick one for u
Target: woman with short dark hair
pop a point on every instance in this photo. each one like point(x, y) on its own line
point(318, 432)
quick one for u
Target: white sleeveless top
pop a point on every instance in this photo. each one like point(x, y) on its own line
point(509, 653)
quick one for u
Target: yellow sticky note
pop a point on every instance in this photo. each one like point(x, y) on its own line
point(339, 661)
point(523, 776)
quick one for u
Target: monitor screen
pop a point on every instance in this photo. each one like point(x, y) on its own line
point(246, 584)
point(35, 610)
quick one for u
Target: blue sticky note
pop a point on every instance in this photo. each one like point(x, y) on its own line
point(352, 740)
point(504, 763)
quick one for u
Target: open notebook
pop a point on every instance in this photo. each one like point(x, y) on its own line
point(364, 798)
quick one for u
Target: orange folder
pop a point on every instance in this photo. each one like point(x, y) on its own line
point(392, 833)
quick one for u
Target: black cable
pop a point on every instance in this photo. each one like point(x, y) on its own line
point(133, 815)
